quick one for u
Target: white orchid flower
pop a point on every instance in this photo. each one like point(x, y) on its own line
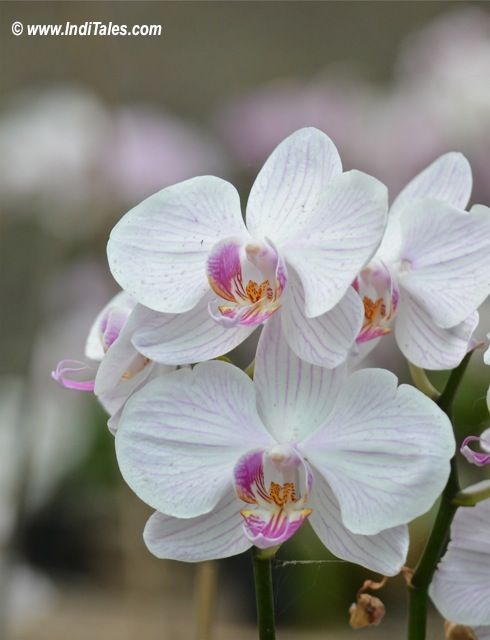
point(432, 270)
point(186, 253)
point(122, 369)
point(228, 462)
point(461, 585)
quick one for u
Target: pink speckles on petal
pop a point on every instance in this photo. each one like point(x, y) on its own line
point(478, 458)
point(63, 375)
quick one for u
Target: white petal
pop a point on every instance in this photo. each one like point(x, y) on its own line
point(93, 347)
point(218, 534)
point(340, 239)
point(158, 250)
point(449, 254)
point(185, 338)
point(326, 339)
point(181, 435)
point(383, 450)
point(293, 397)
point(461, 585)
point(289, 185)
point(384, 552)
point(119, 359)
point(425, 344)
point(114, 401)
point(447, 179)
point(486, 355)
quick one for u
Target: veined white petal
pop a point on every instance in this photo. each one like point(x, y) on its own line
point(185, 338)
point(424, 343)
point(218, 534)
point(461, 585)
point(339, 240)
point(158, 250)
point(122, 360)
point(446, 254)
point(94, 349)
point(114, 401)
point(293, 397)
point(384, 552)
point(383, 450)
point(447, 179)
point(180, 436)
point(289, 185)
point(325, 340)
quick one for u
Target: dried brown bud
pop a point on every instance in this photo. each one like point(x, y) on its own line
point(458, 632)
point(366, 612)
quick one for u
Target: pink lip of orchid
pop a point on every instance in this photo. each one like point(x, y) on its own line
point(228, 462)
point(121, 368)
point(432, 270)
point(480, 459)
point(186, 253)
point(461, 586)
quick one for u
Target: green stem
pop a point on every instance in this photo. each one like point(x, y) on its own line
point(472, 496)
point(264, 594)
point(436, 544)
point(422, 382)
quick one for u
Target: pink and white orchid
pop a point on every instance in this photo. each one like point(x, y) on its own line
point(461, 585)
point(228, 462)
point(186, 253)
point(479, 458)
point(432, 270)
point(122, 369)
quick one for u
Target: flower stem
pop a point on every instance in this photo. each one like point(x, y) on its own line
point(422, 382)
point(206, 583)
point(263, 594)
point(436, 544)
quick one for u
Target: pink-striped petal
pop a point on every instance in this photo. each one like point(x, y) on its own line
point(324, 341)
point(289, 186)
point(447, 179)
point(383, 450)
point(158, 251)
point(293, 396)
point(218, 534)
point(180, 436)
point(384, 552)
point(424, 343)
point(185, 338)
point(344, 234)
point(445, 259)
point(461, 586)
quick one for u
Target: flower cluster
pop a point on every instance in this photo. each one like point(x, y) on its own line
point(326, 270)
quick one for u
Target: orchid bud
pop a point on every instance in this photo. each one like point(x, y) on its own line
point(368, 611)
point(458, 632)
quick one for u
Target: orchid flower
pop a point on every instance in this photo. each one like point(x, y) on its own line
point(432, 270)
point(122, 369)
point(479, 458)
point(185, 252)
point(228, 462)
point(475, 457)
point(461, 585)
